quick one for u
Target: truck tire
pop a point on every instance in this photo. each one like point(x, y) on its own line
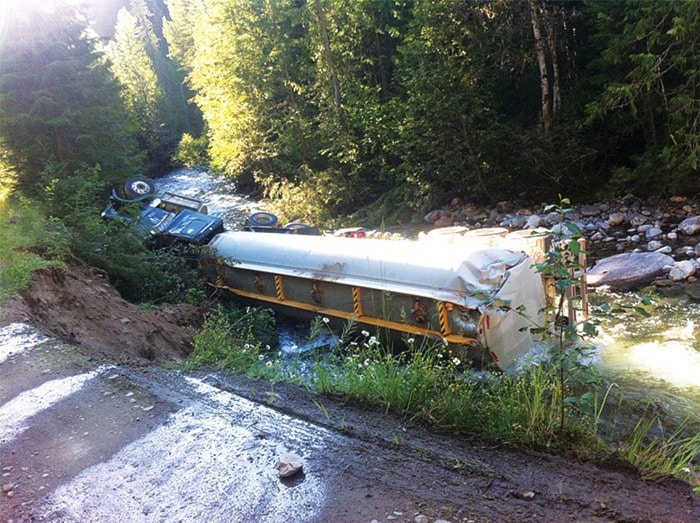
point(262, 219)
point(138, 188)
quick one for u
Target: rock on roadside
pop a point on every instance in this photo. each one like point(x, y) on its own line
point(289, 464)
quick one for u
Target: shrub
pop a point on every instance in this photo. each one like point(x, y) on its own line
point(231, 338)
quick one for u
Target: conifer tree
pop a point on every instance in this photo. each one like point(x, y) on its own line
point(59, 104)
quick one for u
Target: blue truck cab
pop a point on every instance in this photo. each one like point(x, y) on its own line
point(165, 220)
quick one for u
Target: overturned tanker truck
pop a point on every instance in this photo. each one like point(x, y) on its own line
point(478, 292)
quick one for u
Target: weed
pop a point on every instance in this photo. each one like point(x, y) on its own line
point(323, 410)
point(229, 339)
point(660, 457)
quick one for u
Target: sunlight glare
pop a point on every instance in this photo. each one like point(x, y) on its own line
point(671, 361)
point(10, 9)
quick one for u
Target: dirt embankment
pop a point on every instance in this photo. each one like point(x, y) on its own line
point(79, 305)
point(424, 473)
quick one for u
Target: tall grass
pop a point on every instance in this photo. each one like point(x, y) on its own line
point(659, 456)
point(230, 339)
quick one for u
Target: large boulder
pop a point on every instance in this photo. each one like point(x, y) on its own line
point(628, 270)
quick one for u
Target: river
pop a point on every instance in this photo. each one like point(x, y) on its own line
point(654, 361)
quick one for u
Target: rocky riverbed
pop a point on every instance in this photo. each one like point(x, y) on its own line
point(669, 228)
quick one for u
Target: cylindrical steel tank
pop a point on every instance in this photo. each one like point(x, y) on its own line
point(468, 294)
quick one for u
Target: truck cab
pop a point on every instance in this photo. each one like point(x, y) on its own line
point(162, 220)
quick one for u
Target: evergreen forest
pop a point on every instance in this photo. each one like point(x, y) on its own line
point(329, 106)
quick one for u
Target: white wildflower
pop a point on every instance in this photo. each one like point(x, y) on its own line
point(325, 320)
point(456, 361)
point(365, 334)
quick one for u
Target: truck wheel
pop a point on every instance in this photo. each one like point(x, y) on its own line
point(262, 219)
point(138, 188)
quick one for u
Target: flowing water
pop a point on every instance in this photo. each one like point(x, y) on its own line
point(218, 192)
point(655, 362)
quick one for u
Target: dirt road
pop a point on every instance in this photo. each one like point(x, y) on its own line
point(102, 431)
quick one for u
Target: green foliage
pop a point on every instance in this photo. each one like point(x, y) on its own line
point(661, 457)
point(192, 152)
point(328, 106)
point(27, 243)
point(139, 274)
point(151, 85)
point(58, 102)
point(231, 339)
point(648, 76)
point(430, 385)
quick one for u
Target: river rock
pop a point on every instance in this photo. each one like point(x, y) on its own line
point(533, 222)
point(515, 222)
point(590, 210)
point(682, 270)
point(437, 215)
point(692, 290)
point(637, 220)
point(553, 217)
point(690, 225)
point(628, 270)
point(444, 222)
point(654, 245)
point(653, 233)
point(616, 218)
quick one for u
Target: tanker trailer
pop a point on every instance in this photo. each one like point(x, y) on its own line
point(479, 300)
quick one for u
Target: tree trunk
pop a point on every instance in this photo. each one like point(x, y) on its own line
point(535, 16)
point(552, 40)
point(323, 27)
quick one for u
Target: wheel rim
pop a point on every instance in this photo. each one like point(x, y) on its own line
point(140, 187)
